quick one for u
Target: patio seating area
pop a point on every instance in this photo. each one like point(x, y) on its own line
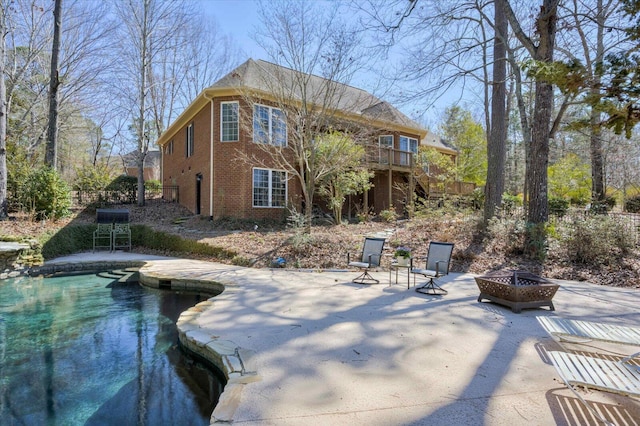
point(313, 348)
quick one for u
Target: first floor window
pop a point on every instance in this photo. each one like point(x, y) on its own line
point(269, 188)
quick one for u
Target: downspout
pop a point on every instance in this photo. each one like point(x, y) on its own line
point(210, 159)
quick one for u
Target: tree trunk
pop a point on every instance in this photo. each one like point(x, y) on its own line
point(142, 146)
point(538, 211)
point(597, 162)
point(3, 117)
point(498, 133)
point(51, 154)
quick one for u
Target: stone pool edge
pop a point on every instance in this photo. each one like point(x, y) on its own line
point(232, 360)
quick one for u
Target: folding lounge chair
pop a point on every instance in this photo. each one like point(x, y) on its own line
point(370, 258)
point(575, 331)
point(438, 261)
point(612, 376)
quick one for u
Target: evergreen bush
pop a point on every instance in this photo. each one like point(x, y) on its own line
point(558, 206)
point(124, 189)
point(632, 205)
point(45, 194)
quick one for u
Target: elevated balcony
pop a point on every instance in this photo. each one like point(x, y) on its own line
point(385, 158)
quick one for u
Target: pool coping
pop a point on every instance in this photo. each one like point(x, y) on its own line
point(232, 360)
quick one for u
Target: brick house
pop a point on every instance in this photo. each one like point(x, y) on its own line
point(206, 151)
point(151, 165)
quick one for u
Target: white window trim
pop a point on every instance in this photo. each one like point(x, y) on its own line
point(270, 131)
point(286, 188)
point(385, 136)
point(237, 121)
point(409, 139)
point(189, 141)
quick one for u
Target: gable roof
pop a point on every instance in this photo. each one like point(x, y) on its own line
point(267, 78)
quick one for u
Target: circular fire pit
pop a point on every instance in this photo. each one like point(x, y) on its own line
point(516, 289)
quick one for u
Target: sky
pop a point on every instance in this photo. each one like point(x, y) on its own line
point(239, 18)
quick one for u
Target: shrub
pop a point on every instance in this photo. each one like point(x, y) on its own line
point(124, 189)
point(91, 179)
point(603, 207)
point(389, 215)
point(510, 203)
point(144, 236)
point(68, 240)
point(45, 194)
point(558, 206)
point(632, 205)
point(153, 187)
point(506, 235)
point(78, 238)
point(597, 240)
point(477, 198)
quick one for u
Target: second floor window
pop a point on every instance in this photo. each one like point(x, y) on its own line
point(269, 125)
point(169, 148)
point(407, 144)
point(229, 121)
point(189, 141)
point(384, 142)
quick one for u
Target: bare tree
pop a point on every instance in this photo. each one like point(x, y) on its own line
point(496, 143)
point(306, 40)
point(51, 152)
point(149, 28)
point(3, 115)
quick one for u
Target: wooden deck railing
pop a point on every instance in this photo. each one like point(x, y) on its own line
point(386, 156)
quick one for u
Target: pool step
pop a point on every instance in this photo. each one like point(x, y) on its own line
point(128, 275)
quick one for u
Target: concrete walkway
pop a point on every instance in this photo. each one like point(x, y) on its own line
point(312, 348)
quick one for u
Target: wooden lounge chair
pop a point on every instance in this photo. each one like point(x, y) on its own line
point(576, 331)
point(612, 376)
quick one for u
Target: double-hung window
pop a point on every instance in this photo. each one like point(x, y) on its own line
point(269, 188)
point(407, 144)
point(229, 123)
point(269, 125)
point(189, 141)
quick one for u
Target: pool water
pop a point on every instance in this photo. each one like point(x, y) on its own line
point(86, 350)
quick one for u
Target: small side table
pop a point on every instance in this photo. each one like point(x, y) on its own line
point(394, 266)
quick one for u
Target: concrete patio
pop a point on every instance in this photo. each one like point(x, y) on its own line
point(312, 348)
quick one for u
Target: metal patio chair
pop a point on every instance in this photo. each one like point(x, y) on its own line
point(102, 237)
point(370, 258)
point(437, 265)
point(121, 236)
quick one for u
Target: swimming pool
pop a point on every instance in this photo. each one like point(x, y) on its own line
point(88, 350)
